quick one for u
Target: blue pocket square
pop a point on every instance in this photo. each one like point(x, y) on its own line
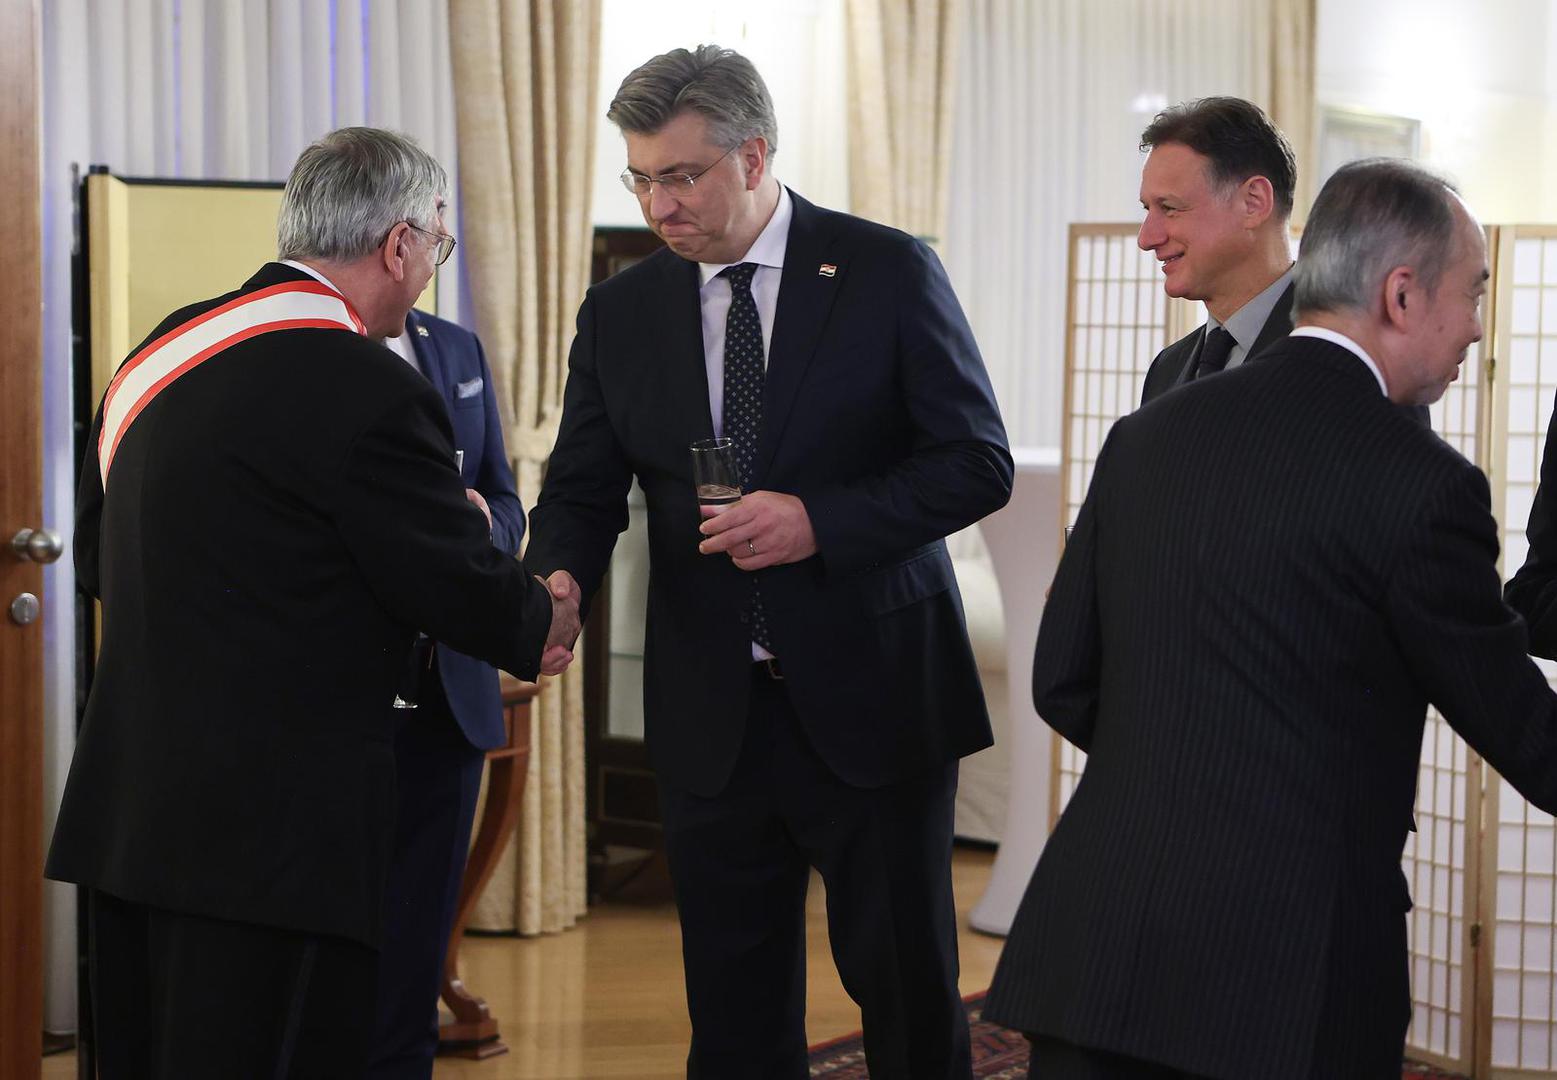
point(469, 389)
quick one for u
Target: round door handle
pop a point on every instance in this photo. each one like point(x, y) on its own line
point(24, 609)
point(39, 545)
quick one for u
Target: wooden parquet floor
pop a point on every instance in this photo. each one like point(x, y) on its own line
point(606, 999)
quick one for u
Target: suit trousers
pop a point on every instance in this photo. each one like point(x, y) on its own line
point(176, 995)
point(741, 861)
point(437, 779)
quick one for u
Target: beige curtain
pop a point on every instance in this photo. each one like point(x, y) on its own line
point(525, 102)
point(902, 81)
point(1291, 94)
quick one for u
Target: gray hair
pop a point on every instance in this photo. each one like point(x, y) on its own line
point(350, 188)
point(1369, 218)
point(720, 84)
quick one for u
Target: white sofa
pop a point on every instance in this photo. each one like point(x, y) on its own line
point(985, 781)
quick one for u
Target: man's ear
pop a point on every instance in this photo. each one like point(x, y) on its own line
point(1257, 200)
point(1400, 286)
point(394, 252)
point(754, 157)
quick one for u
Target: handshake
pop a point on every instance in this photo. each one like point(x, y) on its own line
point(565, 597)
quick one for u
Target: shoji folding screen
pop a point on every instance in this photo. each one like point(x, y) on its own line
point(1482, 863)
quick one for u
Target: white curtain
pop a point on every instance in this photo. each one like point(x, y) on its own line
point(201, 89)
point(1052, 98)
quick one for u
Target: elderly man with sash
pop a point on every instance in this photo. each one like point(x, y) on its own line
point(271, 508)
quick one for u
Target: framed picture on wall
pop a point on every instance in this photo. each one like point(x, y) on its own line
point(1347, 134)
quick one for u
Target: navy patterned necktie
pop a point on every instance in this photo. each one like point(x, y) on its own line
point(743, 382)
point(1214, 352)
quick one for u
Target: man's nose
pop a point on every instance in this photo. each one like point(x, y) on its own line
point(662, 203)
point(1150, 234)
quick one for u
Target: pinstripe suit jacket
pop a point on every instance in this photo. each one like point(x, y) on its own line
point(1273, 573)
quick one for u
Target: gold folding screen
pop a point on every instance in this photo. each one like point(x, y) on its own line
point(1482, 863)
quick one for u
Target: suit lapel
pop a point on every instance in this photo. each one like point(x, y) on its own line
point(1194, 355)
point(1277, 326)
point(679, 314)
point(426, 348)
point(804, 302)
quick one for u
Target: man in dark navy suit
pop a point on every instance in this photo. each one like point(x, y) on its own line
point(808, 681)
point(441, 745)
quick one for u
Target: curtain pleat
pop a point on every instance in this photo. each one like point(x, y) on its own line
point(525, 101)
point(902, 84)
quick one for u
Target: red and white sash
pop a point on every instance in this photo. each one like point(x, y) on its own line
point(289, 306)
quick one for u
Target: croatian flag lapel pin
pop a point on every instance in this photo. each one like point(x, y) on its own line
point(827, 270)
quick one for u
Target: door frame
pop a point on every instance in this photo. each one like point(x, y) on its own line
point(21, 507)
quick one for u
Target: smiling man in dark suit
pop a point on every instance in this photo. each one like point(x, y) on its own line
point(1217, 189)
point(1273, 573)
point(441, 746)
point(809, 684)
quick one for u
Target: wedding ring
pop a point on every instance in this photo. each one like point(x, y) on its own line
point(751, 547)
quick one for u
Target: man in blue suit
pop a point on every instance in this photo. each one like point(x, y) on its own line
point(442, 744)
point(808, 681)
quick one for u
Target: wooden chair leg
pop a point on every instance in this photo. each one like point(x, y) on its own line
point(473, 1032)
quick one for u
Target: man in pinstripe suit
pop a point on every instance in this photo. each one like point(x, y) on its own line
point(1274, 572)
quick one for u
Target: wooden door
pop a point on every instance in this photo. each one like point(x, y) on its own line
point(21, 507)
point(623, 804)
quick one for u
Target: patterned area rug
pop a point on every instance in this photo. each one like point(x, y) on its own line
point(998, 1054)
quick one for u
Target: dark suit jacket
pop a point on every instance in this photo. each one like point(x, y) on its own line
point(1173, 364)
point(1273, 573)
point(453, 361)
point(277, 523)
point(878, 414)
point(1533, 590)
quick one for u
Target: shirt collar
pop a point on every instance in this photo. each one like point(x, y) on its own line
point(768, 249)
point(310, 271)
point(1246, 323)
point(1325, 334)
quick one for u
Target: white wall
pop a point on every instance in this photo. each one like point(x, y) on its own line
point(798, 46)
point(1476, 75)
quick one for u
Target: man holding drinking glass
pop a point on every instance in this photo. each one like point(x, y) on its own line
point(808, 684)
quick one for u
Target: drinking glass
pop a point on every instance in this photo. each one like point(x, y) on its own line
point(713, 471)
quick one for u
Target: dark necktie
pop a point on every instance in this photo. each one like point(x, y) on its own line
point(743, 381)
point(1214, 352)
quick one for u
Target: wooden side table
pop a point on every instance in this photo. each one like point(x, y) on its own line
point(473, 1031)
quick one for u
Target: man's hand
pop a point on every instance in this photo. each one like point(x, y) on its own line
point(766, 528)
point(565, 598)
point(473, 497)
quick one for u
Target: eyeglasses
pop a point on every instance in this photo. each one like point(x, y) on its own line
point(675, 184)
point(445, 243)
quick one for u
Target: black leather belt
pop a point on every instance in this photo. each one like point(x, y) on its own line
point(767, 669)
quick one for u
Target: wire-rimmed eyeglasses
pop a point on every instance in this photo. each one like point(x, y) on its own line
point(445, 243)
point(675, 184)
